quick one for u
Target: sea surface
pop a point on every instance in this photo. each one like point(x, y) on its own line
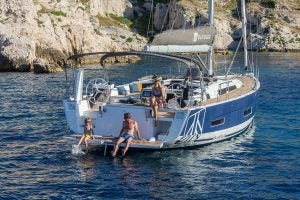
point(36, 160)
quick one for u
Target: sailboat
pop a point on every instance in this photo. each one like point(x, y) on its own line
point(200, 107)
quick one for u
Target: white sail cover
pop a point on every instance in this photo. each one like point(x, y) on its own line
point(183, 40)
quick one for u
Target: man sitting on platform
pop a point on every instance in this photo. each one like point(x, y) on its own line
point(126, 134)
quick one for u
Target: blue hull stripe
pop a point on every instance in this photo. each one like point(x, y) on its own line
point(199, 120)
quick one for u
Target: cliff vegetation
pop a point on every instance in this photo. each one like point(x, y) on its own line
point(38, 35)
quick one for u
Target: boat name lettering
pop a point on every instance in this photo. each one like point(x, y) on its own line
point(201, 37)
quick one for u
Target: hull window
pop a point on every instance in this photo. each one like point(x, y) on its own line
point(218, 122)
point(247, 112)
point(227, 89)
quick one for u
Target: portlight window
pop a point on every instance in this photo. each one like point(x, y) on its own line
point(247, 112)
point(218, 122)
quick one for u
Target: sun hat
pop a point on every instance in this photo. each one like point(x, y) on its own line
point(157, 78)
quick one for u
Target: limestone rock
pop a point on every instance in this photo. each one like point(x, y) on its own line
point(41, 65)
point(54, 30)
point(16, 53)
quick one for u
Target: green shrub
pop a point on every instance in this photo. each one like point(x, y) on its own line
point(58, 13)
point(141, 24)
point(121, 20)
point(113, 20)
point(269, 3)
point(84, 2)
point(130, 39)
point(105, 21)
point(272, 16)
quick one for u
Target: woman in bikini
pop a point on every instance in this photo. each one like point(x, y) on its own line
point(126, 134)
point(157, 97)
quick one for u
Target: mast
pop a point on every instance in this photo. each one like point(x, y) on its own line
point(244, 28)
point(211, 23)
point(211, 12)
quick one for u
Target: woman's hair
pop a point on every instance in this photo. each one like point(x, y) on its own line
point(158, 84)
point(88, 119)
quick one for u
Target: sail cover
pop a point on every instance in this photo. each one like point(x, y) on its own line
point(183, 40)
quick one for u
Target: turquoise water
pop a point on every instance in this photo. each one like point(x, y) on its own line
point(36, 161)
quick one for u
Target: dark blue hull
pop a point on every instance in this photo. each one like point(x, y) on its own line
point(217, 122)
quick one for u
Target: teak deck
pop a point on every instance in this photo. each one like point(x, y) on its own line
point(248, 85)
point(110, 140)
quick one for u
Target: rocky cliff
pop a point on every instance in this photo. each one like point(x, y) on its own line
point(39, 34)
point(52, 30)
point(272, 25)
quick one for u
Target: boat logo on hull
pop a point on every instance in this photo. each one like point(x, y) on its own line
point(194, 123)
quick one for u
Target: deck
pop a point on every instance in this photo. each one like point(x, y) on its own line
point(248, 85)
point(110, 141)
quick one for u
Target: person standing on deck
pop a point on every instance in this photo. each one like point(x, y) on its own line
point(126, 134)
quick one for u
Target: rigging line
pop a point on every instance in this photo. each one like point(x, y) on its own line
point(192, 22)
point(185, 21)
point(177, 14)
point(255, 67)
point(238, 11)
point(225, 62)
point(165, 17)
point(151, 15)
point(229, 68)
point(152, 8)
point(201, 61)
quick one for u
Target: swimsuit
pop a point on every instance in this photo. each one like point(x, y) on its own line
point(156, 91)
point(128, 127)
point(88, 133)
point(157, 95)
point(126, 136)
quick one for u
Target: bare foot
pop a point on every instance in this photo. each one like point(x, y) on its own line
point(123, 153)
point(113, 154)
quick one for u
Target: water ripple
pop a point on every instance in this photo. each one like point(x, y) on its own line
point(36, 160)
